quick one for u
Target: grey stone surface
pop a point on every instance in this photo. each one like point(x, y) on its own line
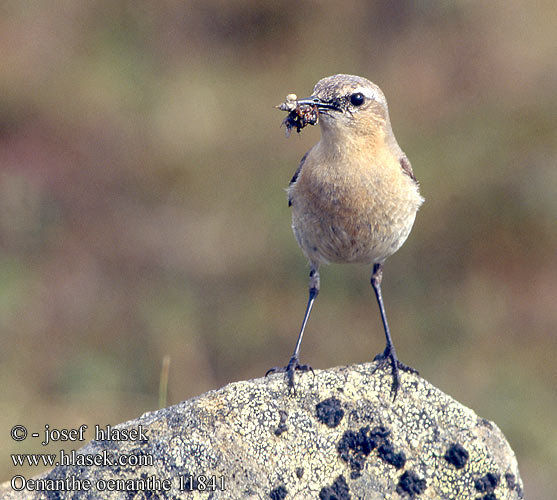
point(340, 436)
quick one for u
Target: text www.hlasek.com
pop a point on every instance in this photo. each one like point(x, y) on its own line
point(102, 459)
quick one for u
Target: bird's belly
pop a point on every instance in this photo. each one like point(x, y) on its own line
point(327, 234)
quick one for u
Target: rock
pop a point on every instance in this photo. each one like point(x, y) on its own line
point(339, 437)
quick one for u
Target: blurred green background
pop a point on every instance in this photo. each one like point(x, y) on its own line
point(143, 212)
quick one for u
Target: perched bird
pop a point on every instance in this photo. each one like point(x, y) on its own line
point(354, 196)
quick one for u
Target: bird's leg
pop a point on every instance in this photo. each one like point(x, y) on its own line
point(294, 363)
point(389, 354)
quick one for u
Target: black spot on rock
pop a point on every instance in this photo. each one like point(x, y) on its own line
point(353, 447)
point(278, 493)
point(410, 485)
point(487, 483)
point(489, 496)
point(457, 455)
point(282, 427)
point(329, 412)
point(379, 432)
point(338, 491)
point(358, 442)
point(387, 453)
point(512, 483)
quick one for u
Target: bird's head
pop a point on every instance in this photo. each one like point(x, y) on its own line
point(349, 104)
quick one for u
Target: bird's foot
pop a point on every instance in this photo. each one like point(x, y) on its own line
point(388, 356)
point(290, 369)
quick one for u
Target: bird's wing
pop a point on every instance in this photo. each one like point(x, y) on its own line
point(295, 176)
point(407, 167)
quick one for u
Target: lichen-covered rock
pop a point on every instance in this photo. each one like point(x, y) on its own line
point(340, 436)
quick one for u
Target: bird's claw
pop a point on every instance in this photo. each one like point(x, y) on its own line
point(389, 357)
point(292, 366)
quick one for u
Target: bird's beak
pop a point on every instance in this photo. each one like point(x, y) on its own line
point(316, 101)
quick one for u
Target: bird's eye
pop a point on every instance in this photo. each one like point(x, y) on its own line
point(357, 99)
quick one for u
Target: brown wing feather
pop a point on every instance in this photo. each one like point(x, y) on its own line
point(296, 174)
point(407, 167)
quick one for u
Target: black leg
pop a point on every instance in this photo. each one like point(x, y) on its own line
point(389, 354)
point(294, 363)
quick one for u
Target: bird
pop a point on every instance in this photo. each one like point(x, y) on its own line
point(354, 196)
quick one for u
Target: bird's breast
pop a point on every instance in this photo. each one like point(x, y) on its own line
point(352, 213)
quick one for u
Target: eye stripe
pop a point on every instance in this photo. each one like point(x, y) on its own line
point(368, 93)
